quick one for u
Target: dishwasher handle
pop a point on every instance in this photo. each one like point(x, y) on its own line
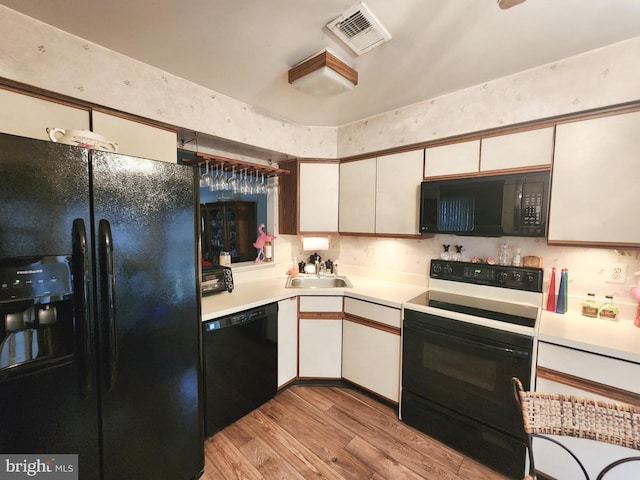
point(235, 320)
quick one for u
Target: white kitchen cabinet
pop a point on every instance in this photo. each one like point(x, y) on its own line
point(528, 149)
point(381, 195)
point(287, 340)
point(371, 346)
point(566, 370)
point(318, 196)
point(320, 340)
point(398, 193)
point(30, 116)
point(594, 181)
point(452, 159)
point(357, 199)
point(135, 138)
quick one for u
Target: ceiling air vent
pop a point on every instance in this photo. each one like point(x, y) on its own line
point(359, 29)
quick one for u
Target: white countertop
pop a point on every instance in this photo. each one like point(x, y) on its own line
point(618, 339)
point(253, 294)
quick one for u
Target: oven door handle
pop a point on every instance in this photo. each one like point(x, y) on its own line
point(506, 350)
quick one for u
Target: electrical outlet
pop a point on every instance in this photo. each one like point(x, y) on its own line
point(371, 251)
point(616, 273)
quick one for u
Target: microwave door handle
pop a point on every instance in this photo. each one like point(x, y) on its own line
point(517, 211)
point(81, 293)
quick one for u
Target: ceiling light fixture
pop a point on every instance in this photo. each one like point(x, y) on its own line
point(323, 75)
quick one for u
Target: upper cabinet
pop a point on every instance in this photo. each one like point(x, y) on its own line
point(381, 195)
point(452, 159)
point(30, 116)
point(398, 193)
point(135, 138)
point(357, 205)
point(526, 150)
point(595, 184)
point(309, 197)
point(531, 148)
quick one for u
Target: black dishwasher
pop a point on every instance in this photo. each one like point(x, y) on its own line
point(240, 364)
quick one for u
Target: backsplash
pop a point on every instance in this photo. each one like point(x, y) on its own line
point(587, 266)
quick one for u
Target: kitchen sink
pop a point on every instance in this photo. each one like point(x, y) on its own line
point(315, 281)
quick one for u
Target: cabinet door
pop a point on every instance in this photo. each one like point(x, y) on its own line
point(398, 193)
point(320, 348)
point(371, 359)
point(532, 148)
point(287, 340)
point(453, 159)
point(594, 189)
point(357, 211)
point(135, 138)
point(583, 368)
point(29, 116)
point(319, 197)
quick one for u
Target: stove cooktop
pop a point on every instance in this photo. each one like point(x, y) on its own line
point(514, 313)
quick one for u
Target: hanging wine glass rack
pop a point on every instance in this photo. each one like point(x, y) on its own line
point(229, 163)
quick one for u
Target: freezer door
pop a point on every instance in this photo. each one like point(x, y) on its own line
point(145, 223)
point(48, 401)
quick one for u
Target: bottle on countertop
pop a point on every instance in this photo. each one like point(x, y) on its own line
point(561, 306)
point(590, 306)
point(503, 258)
point(608, 310)
point(294, 268)
point(517, 259)
point(268, 251)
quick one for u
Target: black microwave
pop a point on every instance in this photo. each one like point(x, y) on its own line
point(487, 206)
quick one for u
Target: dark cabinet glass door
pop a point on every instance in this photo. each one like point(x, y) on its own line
point(228, 227)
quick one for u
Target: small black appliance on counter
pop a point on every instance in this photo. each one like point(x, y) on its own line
point(216, 279)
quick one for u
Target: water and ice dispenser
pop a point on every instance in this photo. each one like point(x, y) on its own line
point(36, 312)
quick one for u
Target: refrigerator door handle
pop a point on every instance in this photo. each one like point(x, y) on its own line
point(80, 262)
point(108, 296)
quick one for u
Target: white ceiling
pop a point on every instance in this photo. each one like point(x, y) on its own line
point(244, 48)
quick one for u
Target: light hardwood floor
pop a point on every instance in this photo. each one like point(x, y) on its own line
point(331, 433)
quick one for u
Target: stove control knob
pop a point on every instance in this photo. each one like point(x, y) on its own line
point(502, 277)
point(529, 278)
point(437, 268)
point(448, 269)
point(517, 276)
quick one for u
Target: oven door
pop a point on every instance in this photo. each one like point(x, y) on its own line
point(466, 368)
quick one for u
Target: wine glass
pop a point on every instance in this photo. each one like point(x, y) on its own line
point(206, 178)
point(262, 188)
point(220, 177)
point(232, 181)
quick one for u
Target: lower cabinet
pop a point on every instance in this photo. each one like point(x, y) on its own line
point(320, 337)
point(576, 372)
point(287, 340)
point(371, 347)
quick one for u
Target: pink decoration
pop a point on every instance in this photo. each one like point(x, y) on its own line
point(260, 241)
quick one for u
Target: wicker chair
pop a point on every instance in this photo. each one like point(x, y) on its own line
point(546, 414)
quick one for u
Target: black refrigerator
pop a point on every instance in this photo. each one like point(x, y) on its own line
point(99, 313)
